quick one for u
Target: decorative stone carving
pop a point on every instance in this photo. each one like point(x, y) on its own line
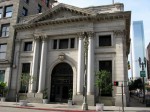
point(61, 56)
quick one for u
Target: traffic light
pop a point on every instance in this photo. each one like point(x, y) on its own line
point(116, 83)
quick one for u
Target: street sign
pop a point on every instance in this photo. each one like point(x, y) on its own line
point(142, 73)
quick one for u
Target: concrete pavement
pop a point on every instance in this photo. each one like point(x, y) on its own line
point(63, 107)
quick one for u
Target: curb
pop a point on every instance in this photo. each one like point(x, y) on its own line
point(46, 109)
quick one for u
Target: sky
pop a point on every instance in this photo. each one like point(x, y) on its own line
point(140, 11)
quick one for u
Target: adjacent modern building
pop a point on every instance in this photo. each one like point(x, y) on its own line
point(51, 48)
point(138, 48)
point(148, 61)
point(11, 12)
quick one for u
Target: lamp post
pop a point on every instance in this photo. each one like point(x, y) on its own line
point(141, 64)
point(86, 43)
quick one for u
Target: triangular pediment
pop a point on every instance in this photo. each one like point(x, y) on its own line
point(62, 11)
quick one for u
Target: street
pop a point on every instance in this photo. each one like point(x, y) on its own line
point(134, 106)
point(11, 109)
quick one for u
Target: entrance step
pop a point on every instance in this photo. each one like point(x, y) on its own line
point(35, 97)
point(78, 100)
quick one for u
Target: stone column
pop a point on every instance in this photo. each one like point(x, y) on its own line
point(42, 74)
point(90, 68)
point(34, 72)
point(80, 74)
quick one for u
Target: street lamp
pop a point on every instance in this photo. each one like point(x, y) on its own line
point(86, 43)
point(141, 64)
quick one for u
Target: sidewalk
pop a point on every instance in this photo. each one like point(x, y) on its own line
point(136, 102)
point(63, 107)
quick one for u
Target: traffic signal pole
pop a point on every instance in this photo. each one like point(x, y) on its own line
point(143, 85)
point(122, 98)
point(142, 64)
point(116, 83)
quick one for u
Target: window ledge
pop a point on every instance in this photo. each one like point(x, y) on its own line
point(3, 61)
point(70, 49)
point(100, 47)
point(7, 17)
point(4, 37)
point(27, 51)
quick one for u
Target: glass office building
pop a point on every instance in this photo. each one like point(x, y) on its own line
point(138, 48)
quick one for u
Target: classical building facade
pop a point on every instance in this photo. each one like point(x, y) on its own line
point(11, 12)
point(51, 48)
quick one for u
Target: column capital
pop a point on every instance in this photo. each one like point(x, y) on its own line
point(36, 37)
point(90, 34)
point(80, 35)
point(44, 37)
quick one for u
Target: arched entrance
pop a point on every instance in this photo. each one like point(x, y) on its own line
point(61, 82)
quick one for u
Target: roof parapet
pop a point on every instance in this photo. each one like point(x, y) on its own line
point(107, 8)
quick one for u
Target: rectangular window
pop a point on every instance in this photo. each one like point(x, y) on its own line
point(55, 44)
point(1, 12)
point(105, 40)
point(39, 8)
point(5, 30)
point(24, 11)
point(28, 46)
point(2, 75)
point(106, 65)
point(72, 43)
point(3, 48)
point(26, 68)
point(63, 43)
point(25, 71)
point(8, 11)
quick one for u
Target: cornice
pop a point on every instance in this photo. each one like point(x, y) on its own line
point(97, 17)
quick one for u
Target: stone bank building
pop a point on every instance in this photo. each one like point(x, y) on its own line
point(50, 47)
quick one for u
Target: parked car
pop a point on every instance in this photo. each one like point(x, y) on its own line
point(141, 95)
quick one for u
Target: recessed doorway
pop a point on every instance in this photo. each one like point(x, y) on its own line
point(61, 82)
